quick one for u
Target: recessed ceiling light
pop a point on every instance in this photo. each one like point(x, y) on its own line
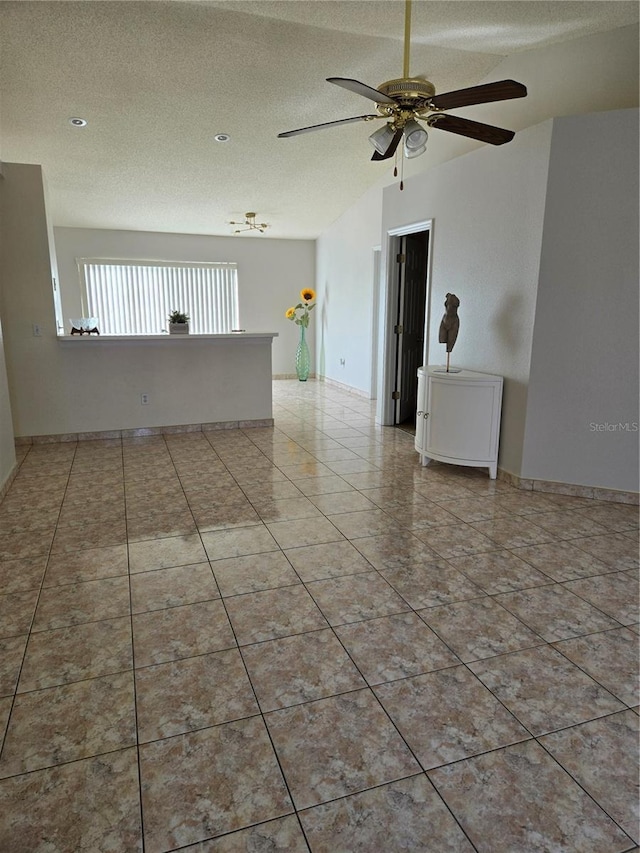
point(78, 122)
point(222, 137)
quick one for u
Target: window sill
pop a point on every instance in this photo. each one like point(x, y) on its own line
point(231, 336)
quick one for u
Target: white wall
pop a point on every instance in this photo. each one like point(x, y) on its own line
point(539, 239)
point(271, 273)
point(346, 289)
point(584, 368)
point(487, 209)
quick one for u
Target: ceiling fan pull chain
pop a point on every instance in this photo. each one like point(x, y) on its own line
point(401, 173)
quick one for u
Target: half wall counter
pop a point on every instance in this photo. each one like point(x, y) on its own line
point(136, 384)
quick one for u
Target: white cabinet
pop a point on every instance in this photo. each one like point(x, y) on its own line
point(458, 417)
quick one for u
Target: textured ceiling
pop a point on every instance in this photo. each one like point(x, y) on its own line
point(157, 80)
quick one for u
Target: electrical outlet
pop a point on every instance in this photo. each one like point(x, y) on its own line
point(144, 399)
point(36, 330)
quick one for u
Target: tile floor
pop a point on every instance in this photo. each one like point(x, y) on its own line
point(298, 639)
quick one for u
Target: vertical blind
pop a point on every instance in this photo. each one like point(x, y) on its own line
point(136, 298)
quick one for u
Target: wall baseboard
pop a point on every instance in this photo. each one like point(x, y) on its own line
point(349, 389)
point(290, 376)
point(175, 429)
point(595, 493)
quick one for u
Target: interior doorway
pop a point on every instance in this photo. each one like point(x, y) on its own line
point(412, 262)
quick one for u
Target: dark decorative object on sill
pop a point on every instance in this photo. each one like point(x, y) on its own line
point(84, 326)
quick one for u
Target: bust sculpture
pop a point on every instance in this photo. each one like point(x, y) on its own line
point(450, 324)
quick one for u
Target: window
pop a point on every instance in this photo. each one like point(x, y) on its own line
point(136, 297)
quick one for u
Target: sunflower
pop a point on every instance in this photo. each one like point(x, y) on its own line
point(299, 314)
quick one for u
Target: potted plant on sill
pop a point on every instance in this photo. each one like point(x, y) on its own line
point(178, 323)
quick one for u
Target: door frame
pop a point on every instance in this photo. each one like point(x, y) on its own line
point(385, 404)
point(375, 320)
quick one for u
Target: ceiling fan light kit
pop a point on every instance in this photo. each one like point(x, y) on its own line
point(381, 138)
point(406, 101)
point(415, 139)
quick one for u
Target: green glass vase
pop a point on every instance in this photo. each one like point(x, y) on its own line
point(303, 359)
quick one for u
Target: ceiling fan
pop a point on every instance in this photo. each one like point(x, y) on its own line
point(406, 102)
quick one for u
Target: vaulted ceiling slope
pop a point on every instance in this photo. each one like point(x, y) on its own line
point(156, 81)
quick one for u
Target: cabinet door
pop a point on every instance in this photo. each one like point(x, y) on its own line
point(461, 418)
point(421, 409)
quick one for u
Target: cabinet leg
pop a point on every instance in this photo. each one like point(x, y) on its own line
point(425, 461)
point(493, 471)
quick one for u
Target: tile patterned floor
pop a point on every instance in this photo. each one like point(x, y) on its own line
point(298, 639)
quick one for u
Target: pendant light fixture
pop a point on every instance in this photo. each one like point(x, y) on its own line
point(250, 224)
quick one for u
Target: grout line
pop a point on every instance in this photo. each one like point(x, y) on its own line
point(133, 664)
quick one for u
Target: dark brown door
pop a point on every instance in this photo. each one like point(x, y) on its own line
point(412, 298)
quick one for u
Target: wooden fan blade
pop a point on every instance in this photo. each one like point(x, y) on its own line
point(472, 129)
point(325, 124)
point(361, 89)
point(503, 90)
point(391, 150)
